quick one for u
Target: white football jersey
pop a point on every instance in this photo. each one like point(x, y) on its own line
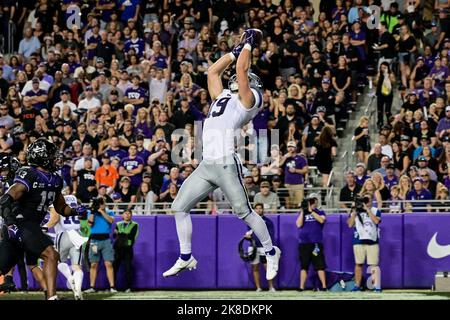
point(226, 115)
point(68, 223)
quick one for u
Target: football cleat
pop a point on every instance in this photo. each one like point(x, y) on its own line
point(181, 265)
point(272, 264)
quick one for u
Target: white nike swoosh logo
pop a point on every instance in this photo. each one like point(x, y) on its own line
point(437, 251)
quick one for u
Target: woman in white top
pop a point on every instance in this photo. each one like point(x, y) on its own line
point(145, 198)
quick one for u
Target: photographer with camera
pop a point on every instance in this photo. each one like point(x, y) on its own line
point(100, 220)
point(125, 233)
point(310, 224)
point(260, 256)
point(365, 219)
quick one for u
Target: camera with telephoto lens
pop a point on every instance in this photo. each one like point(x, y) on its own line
point(97, 203)
point(360, 201)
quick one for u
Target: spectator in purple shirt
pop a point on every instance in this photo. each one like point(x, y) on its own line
point(132, 166)
point(141, 151)
point(174, 177)
point(296, 166)
point(360, 174)
point(390, 179)
point(114, 149)
point(158, 60)
point(38, 97)
point(310, 224)
point(135, 43)
point(135, 95)
point(439, 73)
point(443, 127)
point(418, 193)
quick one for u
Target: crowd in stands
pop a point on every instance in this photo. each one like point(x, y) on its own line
point(115, 92)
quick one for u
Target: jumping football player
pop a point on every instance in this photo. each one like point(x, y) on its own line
point(69, 243)
point(35, 188)
point(221, 168)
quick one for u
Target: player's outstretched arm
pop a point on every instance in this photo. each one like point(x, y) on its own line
point(215, 71)
point(242, 66)
point(63, 209)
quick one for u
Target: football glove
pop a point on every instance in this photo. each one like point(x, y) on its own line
point(252, 37)
point(237, 50)
point(80, 211)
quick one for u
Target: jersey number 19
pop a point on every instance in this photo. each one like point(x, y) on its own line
point(218, 107)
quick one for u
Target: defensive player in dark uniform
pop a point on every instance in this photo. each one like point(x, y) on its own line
point(35, 188)
point(8, 168)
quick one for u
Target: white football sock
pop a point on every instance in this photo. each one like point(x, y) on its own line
point(184, 231)
point(78, 277)
point(65, 270)
point(257, 224)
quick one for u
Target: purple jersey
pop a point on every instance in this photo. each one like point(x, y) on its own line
point(106, 14)
point(390, 182)
point(311, 231)
point(120, 153)
point(131, 164)
point(297, 162)
point(439, 75)
point(136, 93)
point(160, 61)
point(361, 180)
point(93, 39)
point(138, 45)
point(144, 154)
point(423, 195)
point(40, 105)
point(360, 36)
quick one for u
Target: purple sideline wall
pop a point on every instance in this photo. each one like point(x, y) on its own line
point(404, 260)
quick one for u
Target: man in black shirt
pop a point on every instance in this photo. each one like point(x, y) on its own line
point(326, 96)
point(183, 115)
point(289, 51)
point(202, 11)
point(317, 70)
point(166, 126)
point(349, 191)
point(385, 45)
point(29, 115)
point(105, 49)
point(444, 23)
point(161, 166)
point(420, 72)
point(86, 184)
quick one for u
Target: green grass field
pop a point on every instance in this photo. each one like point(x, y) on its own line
point(244, 295)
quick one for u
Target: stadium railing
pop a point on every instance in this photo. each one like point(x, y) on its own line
point(439, 206)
